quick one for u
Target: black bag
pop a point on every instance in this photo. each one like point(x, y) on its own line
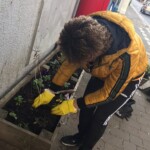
point(125, 112)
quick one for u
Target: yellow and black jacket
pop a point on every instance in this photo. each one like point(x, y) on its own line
point(124, 62)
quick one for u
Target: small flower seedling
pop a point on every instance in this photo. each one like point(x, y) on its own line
point(148, 70)
point(42, 122)
point(38, 83)
point(18, 100)
point(46, 78)
point(23, 125)
point(67, 85)
point(13, 115)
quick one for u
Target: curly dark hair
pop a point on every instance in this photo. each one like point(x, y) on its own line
point(83, 38)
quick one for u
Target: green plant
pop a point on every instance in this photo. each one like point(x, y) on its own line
point(23, 125)
point(18, 100)
point(13, 115)
point(67, 85)
point(38, 83)
point(147, 73)
point(75, 74)
point(148, 69)
point(62, 97)
point(55, 62)
point(42, 122)
point(46, 78)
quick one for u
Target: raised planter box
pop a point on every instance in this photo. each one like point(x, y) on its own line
point(19, 137)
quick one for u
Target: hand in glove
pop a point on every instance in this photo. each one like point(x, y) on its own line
point(43, 98)
point(66, 107)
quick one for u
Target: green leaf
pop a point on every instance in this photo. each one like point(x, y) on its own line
point(13, 115)
point(18, 100)
point(38, 83)
point(148, 69)
point(67, 85)
point(46, 78)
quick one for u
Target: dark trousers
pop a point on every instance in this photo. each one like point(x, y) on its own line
point(93, 121)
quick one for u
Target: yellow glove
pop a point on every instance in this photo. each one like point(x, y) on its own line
point(43, 98)
point(66, 107)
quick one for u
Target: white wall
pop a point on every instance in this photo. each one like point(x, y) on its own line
point(55, 14)
point(17, 22)
point(26, 25)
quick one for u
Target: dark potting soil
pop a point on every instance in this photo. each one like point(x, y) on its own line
point(20, 110)
point(25, 116)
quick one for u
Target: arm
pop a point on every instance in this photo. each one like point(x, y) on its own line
point(64, 73)
point(114, 84)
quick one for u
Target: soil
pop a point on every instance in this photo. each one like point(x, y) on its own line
point(20, 110)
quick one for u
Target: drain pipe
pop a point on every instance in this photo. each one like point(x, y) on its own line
point(28, 69)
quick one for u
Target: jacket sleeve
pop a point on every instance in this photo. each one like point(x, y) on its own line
point(64, 73)
point(114, 84)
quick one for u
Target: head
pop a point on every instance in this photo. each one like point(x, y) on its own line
point(83, 39)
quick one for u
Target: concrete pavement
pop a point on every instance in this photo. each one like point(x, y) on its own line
point(120, 134)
